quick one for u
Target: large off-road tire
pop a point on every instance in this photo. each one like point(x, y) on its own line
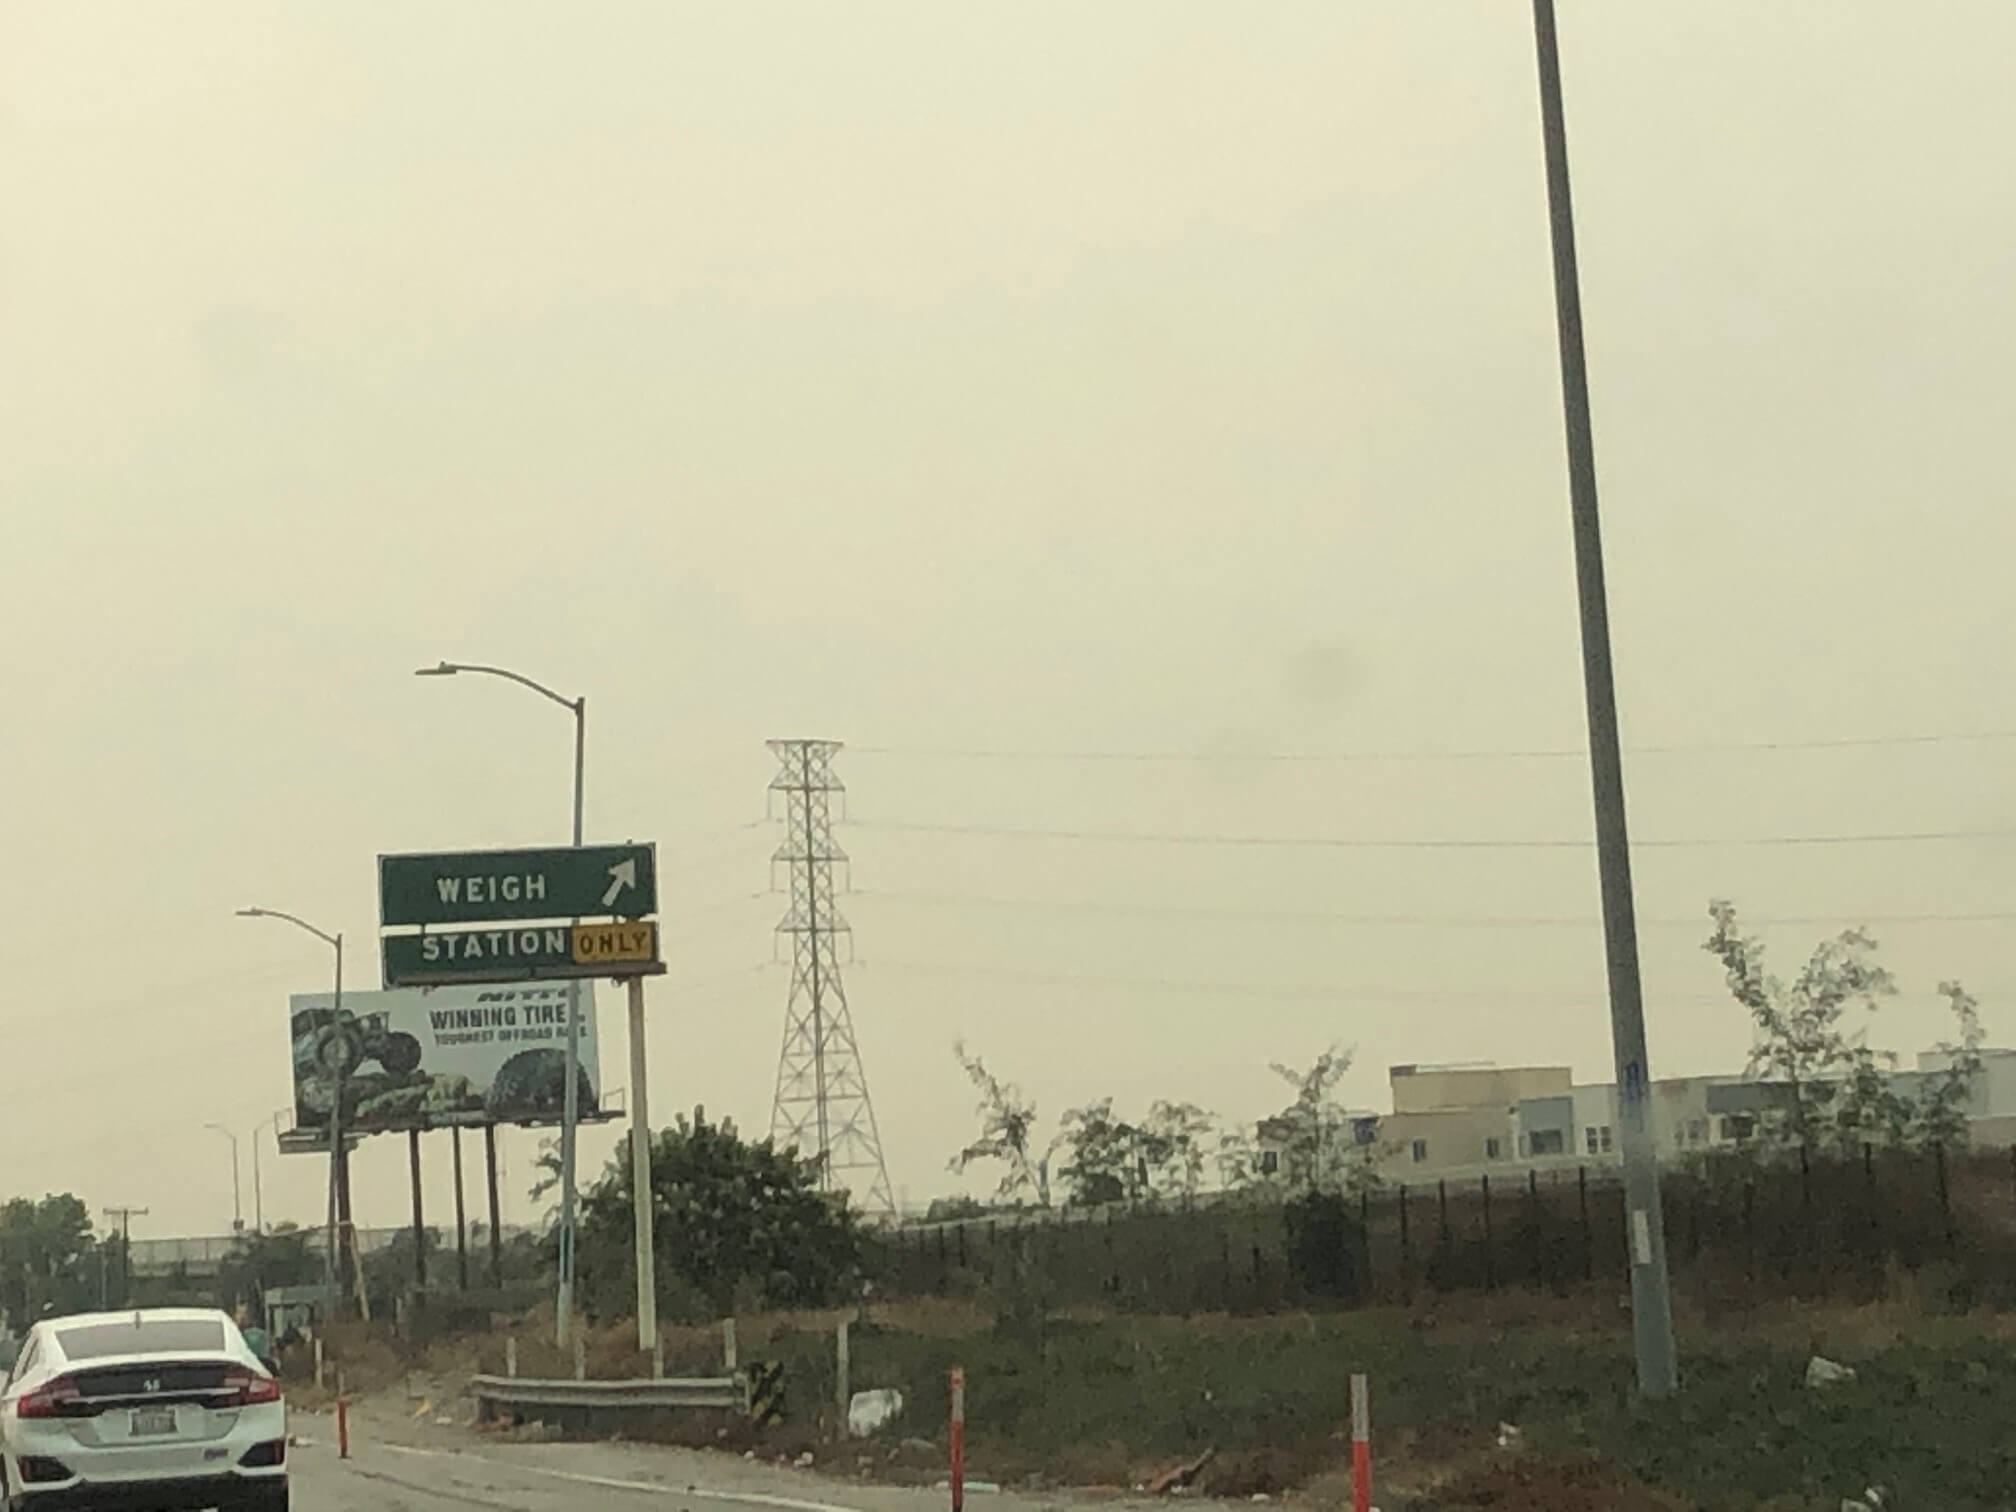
point(400, 1054)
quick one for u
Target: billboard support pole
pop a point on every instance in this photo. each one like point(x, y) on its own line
point(419, 1215)
point(496, 1227)
point(461, 1217)
point(640, 1178)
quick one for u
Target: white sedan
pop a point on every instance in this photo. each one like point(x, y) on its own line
point(166, 1409)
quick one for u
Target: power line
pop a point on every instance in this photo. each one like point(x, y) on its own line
point(1351, 842)
point(1513, 753)
point(1359, 991)
point(1317, 916)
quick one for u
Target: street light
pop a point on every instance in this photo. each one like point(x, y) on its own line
point(237, 1206)
point(570, 1112)
point(339, 1185)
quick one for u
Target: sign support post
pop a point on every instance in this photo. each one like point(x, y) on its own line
point(511, 898)
point(640, 1178)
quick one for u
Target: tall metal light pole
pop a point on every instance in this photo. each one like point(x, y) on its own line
point(570, 1106)
point(1651, 1294)
point(339, 1159)
point(237, 1205)
point(258, 1197)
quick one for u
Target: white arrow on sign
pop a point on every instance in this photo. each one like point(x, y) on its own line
point(623, 874)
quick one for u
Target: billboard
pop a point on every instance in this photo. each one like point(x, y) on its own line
point(428, 1058)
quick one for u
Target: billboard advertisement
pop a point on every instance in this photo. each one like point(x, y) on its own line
point(428, 1058)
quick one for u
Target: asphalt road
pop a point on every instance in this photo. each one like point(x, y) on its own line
point(434, 1472)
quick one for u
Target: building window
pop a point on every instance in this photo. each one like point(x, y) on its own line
point(1738, 1127)
point(1606, 1139)
point(1492, 1150)
point(1550, 1142)
point(1270, 1162)
point(1697, 1131)
point(1589, 1135)
point(1420, 1151)
point(1365, 1131)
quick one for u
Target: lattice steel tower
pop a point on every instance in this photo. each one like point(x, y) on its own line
point(822, 1105)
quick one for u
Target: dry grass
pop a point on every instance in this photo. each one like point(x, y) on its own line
point(1106, 1397)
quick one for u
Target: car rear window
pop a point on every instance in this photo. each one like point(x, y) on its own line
point(95, 1341)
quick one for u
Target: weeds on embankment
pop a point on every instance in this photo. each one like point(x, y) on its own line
point(1091, 1399)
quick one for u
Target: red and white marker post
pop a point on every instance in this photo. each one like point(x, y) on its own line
point(1361, 1446)
point(957, 1437)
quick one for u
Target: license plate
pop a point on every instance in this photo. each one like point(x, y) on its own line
point(149, 1421)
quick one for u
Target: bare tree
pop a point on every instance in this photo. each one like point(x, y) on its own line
point(1318, 1149)
point(1943, 1101)
point(1176, 1137)
point(1801, 1044)
point(1007, 1134)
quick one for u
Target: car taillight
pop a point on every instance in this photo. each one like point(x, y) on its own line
point(57, 1398)
point(249, 1390)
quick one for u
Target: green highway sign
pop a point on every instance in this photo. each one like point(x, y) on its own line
point(489, 887)
point(521, 953)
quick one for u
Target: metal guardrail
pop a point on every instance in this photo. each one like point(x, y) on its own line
point(519, 1396)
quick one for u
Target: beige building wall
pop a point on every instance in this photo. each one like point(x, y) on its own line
point(1424, 1089)
point(1423, 1145)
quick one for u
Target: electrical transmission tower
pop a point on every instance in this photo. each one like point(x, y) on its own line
point(822, 1106)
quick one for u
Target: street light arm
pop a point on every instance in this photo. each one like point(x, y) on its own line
point(273, 913)
point(449, 669)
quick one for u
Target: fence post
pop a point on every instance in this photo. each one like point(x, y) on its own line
point(842, 1397)
point(956, 1436)
point(1361, 1446)
point(729, 1359)
point(511, 1355)
point(318, 1362)
point(1442, 1212)
point(1364, 1255)
point(1588, 1234)
point(1750, 1228)
point(580, 1356)
point(1406, 1249)
point(1945, 1200)
point(1693, 1220)
point(1490, 1257)
point(1533, 1227)
point(1869, 1196)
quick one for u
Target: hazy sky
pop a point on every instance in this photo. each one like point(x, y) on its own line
point(1142, 378)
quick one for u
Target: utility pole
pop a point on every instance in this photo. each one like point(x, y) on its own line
point(125, 1216)
point(1645, 1237)
point(822, 1106)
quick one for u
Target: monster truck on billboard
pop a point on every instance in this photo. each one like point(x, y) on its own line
point(444, 1055)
